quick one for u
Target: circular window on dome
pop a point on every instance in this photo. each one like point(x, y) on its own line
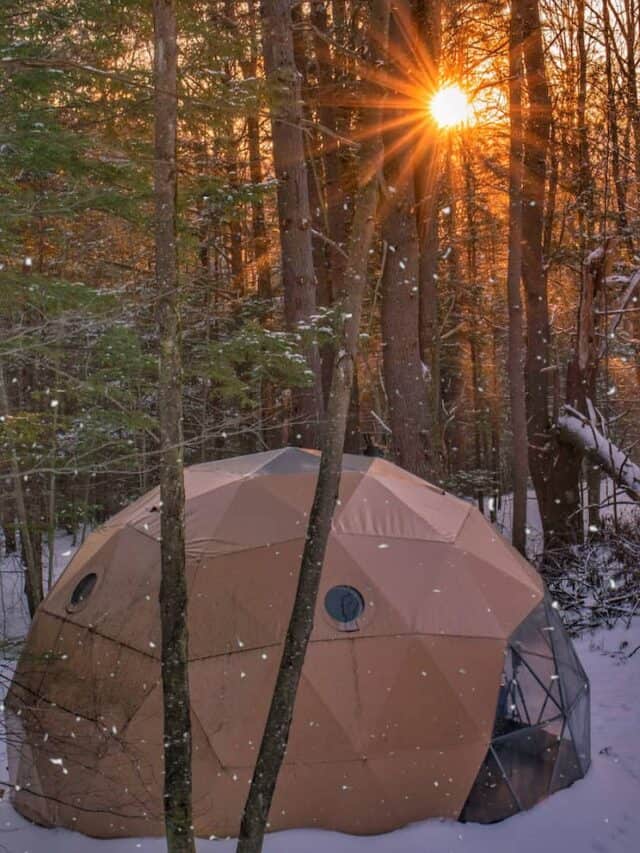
point(82, 591)
point(345, 605)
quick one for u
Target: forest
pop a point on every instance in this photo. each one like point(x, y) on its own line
point(404, 230)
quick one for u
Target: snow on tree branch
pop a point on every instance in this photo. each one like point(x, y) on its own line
point(582, 433)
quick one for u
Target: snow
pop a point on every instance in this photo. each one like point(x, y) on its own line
point(14, 614)
point(587, 436)
point(627, 511)
point(600, 813)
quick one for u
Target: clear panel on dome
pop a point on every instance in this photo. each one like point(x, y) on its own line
point(490, 798)
point(580, 725)
point(533, 635)
point(573, 679)
point(541, 737)
point(567, 769)
point(527, 759)
point(529, 693)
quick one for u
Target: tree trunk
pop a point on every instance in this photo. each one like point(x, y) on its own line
point(337, 215)
point(558, 499)
point(8, 524)
point(519, 465)
point(403, 372)
point(337, 201)
point(613, 133)
point(585, 194)
point(298, 277)
point(173, 585)
point(633, 107)
point(51, 515)
point(452, 376)
point(427, 188)
point(475, 337)
point(583, 369)
point(318, 207)
point(631, 40)
point(276, 733)
point(33, 570)
point(258, 226)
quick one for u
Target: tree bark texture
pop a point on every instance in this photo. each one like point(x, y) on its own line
point(258, 225)
point(298, 275)
point(427, 15)
point(557, 503)
point(173, 585)
point(403, 372)
point(519, 464)
point(33, 570)
point(613, 131)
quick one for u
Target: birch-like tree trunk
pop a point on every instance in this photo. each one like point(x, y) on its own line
point(173, 585)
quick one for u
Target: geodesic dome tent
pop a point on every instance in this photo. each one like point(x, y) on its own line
point(438, 682)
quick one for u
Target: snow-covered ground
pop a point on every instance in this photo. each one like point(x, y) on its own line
point(600, 813)
point(613, 503)
point(14, 614)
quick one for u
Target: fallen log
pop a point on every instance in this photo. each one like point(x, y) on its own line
point(582, 433)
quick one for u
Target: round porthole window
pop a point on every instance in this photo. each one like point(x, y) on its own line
point(82, 591)
point(345, 605)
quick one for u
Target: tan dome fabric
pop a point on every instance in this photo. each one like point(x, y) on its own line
point(394, 716)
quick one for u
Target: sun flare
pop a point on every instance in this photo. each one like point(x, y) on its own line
point(450, 106)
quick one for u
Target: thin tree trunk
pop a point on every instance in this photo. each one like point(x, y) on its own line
point(86, 492)
point(8, 524)
point(586, 215)
point(558, 499)
point(33, 573)
point(334, 213)
point(403, 372)
point(582, 373)
point(552, 195)
point(315, 182)
point(427, 187)
point(51, 520)
point(337, 215)
point(237, 278)
point(298, 276)
point(276, 733)
point(452, 362)
point(614, 136)
point(519, 465)
point(258, 224)
point(173, 585)
point(633, 105)
point(260, 243)
point(474, 336)
point(585, 178)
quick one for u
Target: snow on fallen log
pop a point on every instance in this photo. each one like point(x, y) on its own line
point(582, 433)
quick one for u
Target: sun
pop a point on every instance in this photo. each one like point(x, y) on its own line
point(450, 106)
